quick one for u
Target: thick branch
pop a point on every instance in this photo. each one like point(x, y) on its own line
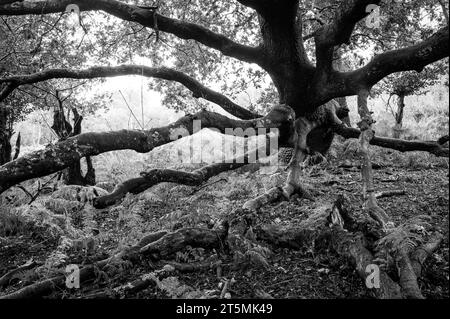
point(64, 153)
point(415, 57)
point(396, 144)
point(272, 8)
point(145, 17)
point(339, 31)
point(198, 89)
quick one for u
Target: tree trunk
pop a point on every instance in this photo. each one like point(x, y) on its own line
point(399, 117)
point(5, 137)
point(73, 174)
point(17, 148)
point(340, 65)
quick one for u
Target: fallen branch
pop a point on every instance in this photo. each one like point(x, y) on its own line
point(393, 193)
point(435, 148)
point(193, 267)
point(5, 279)
point(61, 155)
point(194, 237)
point(156, 176)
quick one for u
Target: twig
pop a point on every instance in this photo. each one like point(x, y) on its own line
point(131, 109)
point(225, 288)
point(207, 185)
point(390, 194)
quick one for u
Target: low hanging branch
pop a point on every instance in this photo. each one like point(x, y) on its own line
point(435, 148)
point(61, 155)
point(156, 176)
point(198, 89)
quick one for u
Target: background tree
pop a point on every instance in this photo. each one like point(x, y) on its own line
point(406, 84)
point(27, 44)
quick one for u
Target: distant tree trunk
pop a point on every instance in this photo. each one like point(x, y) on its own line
point(340, 65)
point(5, 137)
point(73, 174)
point(17, 148)
point(399, 117)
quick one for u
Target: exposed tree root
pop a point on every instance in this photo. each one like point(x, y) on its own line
point(194, 237)
point(5, 279)
point(158, 245)
point(353, 248)
point(45, 287)
point(348, 234)
point(419, 256)
point(408, 278)
point(144, 281)
point(271, 196)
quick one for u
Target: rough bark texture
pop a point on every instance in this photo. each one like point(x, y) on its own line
point(72, 175)
point(370, 201)
point(194, 237)
point(5, 136)
point(17, 147)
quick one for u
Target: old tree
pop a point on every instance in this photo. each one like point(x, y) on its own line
point(300, 45)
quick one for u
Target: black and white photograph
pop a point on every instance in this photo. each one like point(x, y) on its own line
point(223, 155)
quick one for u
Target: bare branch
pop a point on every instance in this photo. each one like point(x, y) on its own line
point(198, 89)
point(415, 57)
point(339, 31)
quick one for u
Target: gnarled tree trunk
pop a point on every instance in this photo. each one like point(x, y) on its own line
point(73, 174)
point(5, 136)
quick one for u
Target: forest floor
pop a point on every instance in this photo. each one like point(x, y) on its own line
point(288, 274)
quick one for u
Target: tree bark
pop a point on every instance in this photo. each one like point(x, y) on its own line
point(399, 117)
point(72, 175)
point(370, 200)
point(5, 136)
point(17, 147)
